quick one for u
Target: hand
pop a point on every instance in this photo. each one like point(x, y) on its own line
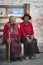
point(8, 41)
point(32, 37)
point(29, 40)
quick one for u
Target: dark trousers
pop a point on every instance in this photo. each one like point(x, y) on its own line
point(30, 47)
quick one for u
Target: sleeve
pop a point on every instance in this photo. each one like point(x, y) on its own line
point(19, 33)
point(32, 30)
point(22, 31)
point(5, 32)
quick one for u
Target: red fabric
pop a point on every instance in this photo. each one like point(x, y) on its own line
point(15, 47)
point(6, 29)
point(14, 37)
point(26, 30)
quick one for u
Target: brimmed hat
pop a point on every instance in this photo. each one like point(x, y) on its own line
point(26, 15)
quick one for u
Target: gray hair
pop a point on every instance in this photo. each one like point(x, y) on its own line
point(10, 18)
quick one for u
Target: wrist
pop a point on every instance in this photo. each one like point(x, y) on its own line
point(27, 38)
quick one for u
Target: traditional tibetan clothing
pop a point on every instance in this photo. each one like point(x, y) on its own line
point(15, 46)
point(27, 31)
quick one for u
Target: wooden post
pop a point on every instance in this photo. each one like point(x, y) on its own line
point(27, 8)
point(9, 48)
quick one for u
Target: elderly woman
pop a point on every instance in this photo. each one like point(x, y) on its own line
point(15, 35)
point(27, 33)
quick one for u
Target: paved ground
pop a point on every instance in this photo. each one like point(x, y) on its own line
point(37, 61)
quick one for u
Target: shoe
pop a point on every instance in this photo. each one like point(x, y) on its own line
point(26, 58)
point(20, 58)
point(14, 59)
point(32, 56)
point(29, 57)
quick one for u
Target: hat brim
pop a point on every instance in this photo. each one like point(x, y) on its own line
point(26, 15)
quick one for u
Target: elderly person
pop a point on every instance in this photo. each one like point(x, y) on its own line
point(15, 46)
point(27, 38)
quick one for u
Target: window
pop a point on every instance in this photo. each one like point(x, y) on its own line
point(15, 11)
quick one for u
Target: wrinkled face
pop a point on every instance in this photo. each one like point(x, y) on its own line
point(12, 20)
point(26, 19)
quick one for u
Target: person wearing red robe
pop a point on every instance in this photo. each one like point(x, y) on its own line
point(15, 46)
point(27, 34)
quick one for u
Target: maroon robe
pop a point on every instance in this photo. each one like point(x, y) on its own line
point(14, 37)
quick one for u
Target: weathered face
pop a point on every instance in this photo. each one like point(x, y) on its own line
point(12, 20)
point(26, 19)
